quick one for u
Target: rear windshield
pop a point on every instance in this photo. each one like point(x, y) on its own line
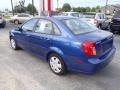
point(78, 26)
point(101, 16)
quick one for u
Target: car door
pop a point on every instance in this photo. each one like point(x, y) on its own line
point(116, 20)
point(40, 40)
point(23, 35)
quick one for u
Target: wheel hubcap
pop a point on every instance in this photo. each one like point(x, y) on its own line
point(55, 64)
point(13, 44)
point(16, 22)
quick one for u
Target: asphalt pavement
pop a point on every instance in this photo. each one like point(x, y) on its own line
point(20, 70)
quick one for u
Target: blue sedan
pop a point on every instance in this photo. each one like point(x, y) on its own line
point(66, 43)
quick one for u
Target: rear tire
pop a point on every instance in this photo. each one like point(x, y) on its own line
point(100, 26)
point(57, 64)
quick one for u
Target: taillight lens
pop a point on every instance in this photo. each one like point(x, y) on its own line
point(89, 48)
point(95, 21)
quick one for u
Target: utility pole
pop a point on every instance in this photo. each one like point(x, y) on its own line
point(57, 4)
point(33, 7)
point(49, 7)
point(12, 7)
point(106, 6)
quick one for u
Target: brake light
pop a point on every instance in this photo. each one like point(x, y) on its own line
point(89, 48)
point(95, 21)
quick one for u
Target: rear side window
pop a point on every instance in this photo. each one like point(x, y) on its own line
point(117, 15)
point(56, 30)
point(47, 27)
point(44, 27)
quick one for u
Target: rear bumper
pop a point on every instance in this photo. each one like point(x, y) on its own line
point(115, 27)
point(94, 64)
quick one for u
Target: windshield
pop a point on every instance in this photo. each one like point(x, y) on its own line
point(79, 26)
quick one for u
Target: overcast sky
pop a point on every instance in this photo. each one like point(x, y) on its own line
point(74, 3)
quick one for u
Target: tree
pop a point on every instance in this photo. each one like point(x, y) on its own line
point(21, 7)
point(98, 9)
point(93, 9)
point(29, 8)
point(88, 9)
point(66, 7)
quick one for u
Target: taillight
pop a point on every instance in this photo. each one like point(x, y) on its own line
point(0, 17)
point(89, 48)
point(95, 21)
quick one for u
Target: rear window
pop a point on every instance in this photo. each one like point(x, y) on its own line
point(117, 15)
point(78, 26)
point(23, 15)
point(63, 14)
point(101, 16)
point(75, 14)
point(89, 16)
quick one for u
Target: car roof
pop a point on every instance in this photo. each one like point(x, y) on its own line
point(56, 17)
point(70, 12)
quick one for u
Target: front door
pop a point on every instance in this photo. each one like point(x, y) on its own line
point(23, 35)
point(40, 40)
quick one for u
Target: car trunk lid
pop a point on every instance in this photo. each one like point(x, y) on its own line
point(103, 40)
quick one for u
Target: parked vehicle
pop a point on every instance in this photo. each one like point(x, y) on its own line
point(66, 43)
point(20, 18)
point(115, 22)
point(73, 14)
point(2, 21)
point(98, 19)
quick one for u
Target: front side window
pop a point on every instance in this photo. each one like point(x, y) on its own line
point(117, 15)
point(79, 26)
point(44, 27)
point(29, 25)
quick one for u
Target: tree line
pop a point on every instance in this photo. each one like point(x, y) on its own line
point(21, 8)
point(66, 8)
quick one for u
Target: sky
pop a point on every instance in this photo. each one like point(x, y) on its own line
point(74, 3)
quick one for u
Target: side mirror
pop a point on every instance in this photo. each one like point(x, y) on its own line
point(18, 29)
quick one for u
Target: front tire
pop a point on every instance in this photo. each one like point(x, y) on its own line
point(16, 22)
point(13, 44)
point(57, 64)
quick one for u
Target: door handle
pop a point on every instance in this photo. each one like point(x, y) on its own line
point(28, 35)
point(47, 39)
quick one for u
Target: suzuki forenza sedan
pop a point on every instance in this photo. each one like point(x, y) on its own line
point(66, 43)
